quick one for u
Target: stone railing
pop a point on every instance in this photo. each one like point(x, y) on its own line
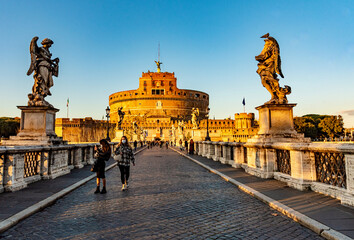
point(326, 168)
point(22, 165)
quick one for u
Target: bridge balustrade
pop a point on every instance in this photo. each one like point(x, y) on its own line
point(327, 168)
point(22, 165)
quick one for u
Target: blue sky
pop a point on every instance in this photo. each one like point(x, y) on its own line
point(104, 46)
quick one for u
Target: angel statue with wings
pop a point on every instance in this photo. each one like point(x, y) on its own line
point(268, 67)
point(44, 68)
point(195, 115)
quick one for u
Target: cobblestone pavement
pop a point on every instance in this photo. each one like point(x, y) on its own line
point(170, 197)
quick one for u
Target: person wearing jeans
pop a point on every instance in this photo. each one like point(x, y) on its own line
point(127, 157)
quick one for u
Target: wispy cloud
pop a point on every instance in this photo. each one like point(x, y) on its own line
point(347, 112)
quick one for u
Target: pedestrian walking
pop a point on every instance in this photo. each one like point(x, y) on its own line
point(191, 146)
point(186, 145)
point(135, 145)
point(180, 145)
point(126, 156)
point(102, 154)
point(166, 144)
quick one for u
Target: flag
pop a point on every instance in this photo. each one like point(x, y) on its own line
point(67, 103)
point(244, 102)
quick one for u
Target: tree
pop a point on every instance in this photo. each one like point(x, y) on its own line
point(307, 126)
point(332, 126)
point(9, 126)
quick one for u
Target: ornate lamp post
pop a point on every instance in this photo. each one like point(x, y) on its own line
point(107, 116)
point(207, 138)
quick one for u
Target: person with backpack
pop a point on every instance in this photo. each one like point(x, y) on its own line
point(102, 154)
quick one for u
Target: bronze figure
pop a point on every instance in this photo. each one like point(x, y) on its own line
point(120, 117)
point(44, 68)
point(268, 67)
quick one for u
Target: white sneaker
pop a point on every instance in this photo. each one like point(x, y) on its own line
point(123, 187)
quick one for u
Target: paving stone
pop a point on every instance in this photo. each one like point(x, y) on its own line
point(170, 197)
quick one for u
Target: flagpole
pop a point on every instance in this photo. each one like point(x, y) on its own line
point(67, 108)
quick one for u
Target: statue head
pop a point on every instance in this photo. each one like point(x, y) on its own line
point(47, 42)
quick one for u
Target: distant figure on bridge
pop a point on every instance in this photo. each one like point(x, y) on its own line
point(186, 145)
point(191, 146)
point(135, 145)
point(102, 154)
point(127, 156)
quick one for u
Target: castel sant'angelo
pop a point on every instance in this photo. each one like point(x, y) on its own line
point(158, 109)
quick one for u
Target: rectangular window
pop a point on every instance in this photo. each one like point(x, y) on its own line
point(158, 91)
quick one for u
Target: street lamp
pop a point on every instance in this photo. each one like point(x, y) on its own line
point(207, 138)
point(107, 116)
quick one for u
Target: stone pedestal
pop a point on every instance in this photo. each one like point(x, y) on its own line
point(37, 127)
point(275, 126)
point(198, 135)
point(119, 135)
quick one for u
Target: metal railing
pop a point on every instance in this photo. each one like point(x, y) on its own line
point(283, 161)
point(330, 168)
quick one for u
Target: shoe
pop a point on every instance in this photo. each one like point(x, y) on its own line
point(103, 190)
point(126, 186)
point(97, 189)
point(123, 187)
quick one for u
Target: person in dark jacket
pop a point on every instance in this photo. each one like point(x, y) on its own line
point(186, 145)
point(102, 154)
point(127, 156)
point(191, 146)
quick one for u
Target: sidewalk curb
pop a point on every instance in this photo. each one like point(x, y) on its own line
point(308, 222)
point(13, 220)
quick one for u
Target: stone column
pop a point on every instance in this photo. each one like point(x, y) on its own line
point(78, 158)
point(205, 149)
point(238, 156)
point(45, 164)
point(303, 170)
point(348, 197)
point(14, 171)
point(225, 159)
point(216, 155)
point(211, 150)
point(260, 162)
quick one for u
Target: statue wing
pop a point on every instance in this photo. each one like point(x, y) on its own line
point(276, 51)
point(34, 53)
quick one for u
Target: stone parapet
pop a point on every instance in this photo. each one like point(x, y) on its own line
point(22, 165)
point(327, 168)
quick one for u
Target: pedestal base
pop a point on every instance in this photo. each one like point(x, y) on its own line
point(119, 135)
point(37, 127)
point(198, 135)
point(276, 124)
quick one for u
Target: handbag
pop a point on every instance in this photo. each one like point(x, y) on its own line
point(94, 167)
point(117, 157)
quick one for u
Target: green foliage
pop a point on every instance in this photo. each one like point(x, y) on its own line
point(306, 125)
point(9, 126)
point(319, 126)
point(332, 126)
